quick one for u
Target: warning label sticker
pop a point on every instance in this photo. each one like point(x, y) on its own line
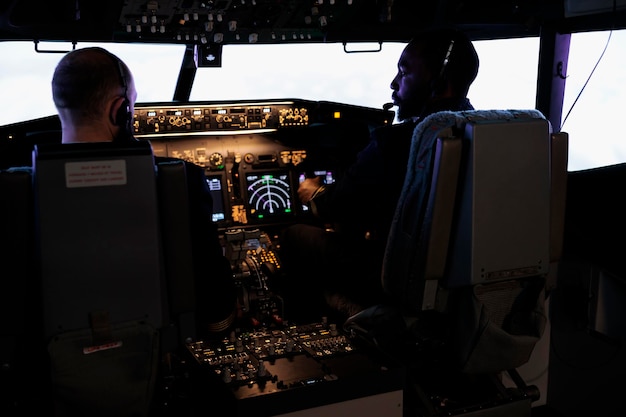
point(95, 173)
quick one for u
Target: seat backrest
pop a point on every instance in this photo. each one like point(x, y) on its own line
point(24, 371)
point(102, 277)
point(476, 229)
point(98, 233)
point(592, 263)
point(16, 259)
point(201, 289)
point(99, 249)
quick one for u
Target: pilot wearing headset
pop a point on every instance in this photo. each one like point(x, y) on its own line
point(94, 92)
point(435, 71)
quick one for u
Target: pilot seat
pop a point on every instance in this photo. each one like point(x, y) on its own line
point(470, 261)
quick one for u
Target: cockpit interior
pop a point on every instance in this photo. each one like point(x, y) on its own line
point(102, 315)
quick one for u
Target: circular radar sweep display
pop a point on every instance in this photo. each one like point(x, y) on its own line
point(269, 194)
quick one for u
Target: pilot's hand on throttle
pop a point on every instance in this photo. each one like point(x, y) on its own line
point(307, 189)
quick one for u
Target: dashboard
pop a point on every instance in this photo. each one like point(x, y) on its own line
point(255, 153)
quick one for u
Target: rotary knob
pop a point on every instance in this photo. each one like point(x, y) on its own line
point(216, 160)
point(248, 158)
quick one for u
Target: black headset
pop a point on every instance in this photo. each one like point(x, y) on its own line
point(123, 117)
point(446, 59)
point(439, 82)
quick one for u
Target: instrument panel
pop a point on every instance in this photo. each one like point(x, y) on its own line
point(256, 152)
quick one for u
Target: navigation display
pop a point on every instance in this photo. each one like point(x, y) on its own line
point(269, 194)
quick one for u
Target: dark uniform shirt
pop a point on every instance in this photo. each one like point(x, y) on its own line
point(362, 203)
point(346, 259)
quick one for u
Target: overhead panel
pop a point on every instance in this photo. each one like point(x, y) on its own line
point(265, 21)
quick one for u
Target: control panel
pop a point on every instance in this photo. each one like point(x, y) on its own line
point(254, 261)
point(160, 119)
point(255, 153)
point(157, 119)
point(241, 359)
point(296, 367)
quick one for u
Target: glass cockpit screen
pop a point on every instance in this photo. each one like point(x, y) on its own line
point(215, 187)
point(326, 177)
point(269, 195)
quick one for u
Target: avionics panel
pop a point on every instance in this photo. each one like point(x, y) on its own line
point(313, 369)
point(250, 176)
point(217, 189)
point(253, 152)
point(199, 118)
point(327, 177)
point(206, 117)
point(268, 195)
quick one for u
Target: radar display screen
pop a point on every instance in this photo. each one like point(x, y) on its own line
point(269, 195)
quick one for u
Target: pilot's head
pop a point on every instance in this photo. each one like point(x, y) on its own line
point(94, 93)
point(435, 64)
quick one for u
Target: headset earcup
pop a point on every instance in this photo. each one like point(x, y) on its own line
point(122, 118)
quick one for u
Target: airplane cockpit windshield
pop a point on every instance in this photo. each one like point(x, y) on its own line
point(507, 79)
